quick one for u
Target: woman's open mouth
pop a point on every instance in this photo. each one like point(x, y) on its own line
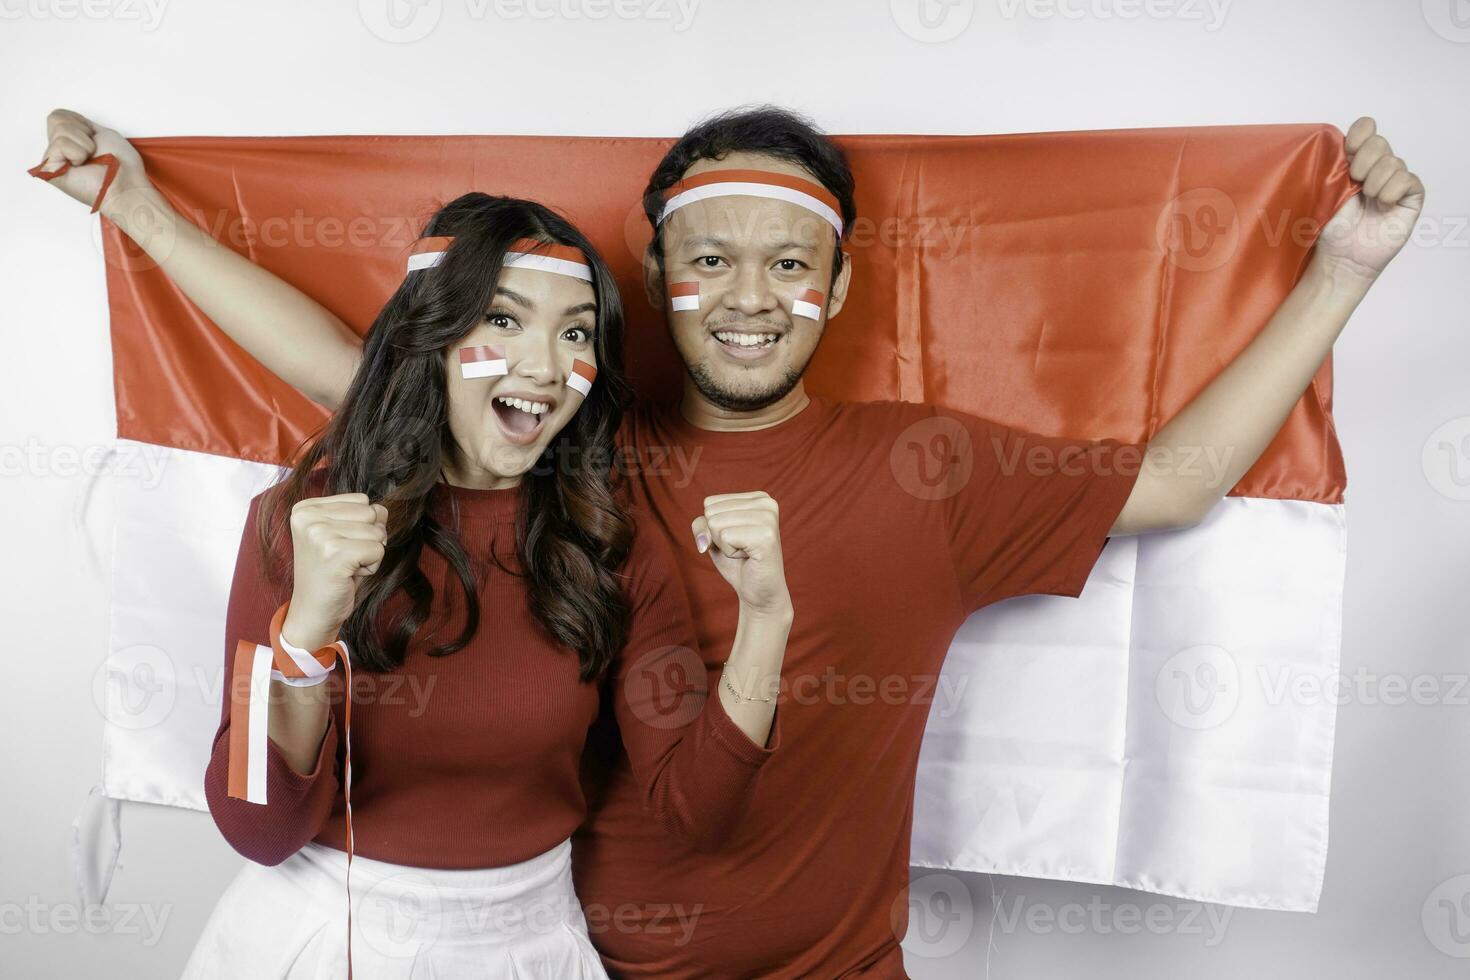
point(520, 419)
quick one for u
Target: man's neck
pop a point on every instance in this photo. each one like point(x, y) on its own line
point(704, 414)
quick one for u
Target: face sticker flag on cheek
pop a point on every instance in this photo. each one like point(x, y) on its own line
point(809, 303)
point(581, 378)
point(684, 296)
point(484, 361)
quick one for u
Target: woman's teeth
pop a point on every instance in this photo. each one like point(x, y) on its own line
point(532, 408)
point(746, 339)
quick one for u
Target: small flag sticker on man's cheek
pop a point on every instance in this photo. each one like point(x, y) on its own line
point(684, 296)
point(808, 303)
point(581, 378)
point(484, 361)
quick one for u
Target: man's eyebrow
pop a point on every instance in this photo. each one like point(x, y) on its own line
point(710, 241)
point(707, 241)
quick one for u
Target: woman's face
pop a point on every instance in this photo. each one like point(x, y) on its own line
point(542, 322)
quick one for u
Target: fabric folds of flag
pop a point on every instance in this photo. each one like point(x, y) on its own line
point(1083, 284)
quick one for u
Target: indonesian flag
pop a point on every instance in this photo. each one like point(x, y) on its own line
point(482, 361)
point(581, 377)
point(684, 296)
point(809, 303)
point(1135, 736)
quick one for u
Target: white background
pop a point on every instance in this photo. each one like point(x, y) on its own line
point(185, 67)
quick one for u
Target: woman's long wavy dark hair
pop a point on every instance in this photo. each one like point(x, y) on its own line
point(390, 440)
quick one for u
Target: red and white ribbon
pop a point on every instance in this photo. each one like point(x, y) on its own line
point(256, 665)
point(107, 160)
point(523, 253)
point(528, 253)
point(755, 183)
point(428, 252)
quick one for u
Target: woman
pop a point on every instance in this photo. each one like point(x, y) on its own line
point(455, 529)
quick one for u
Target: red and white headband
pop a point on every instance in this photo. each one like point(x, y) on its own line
point(524, 253)
point(755, 183)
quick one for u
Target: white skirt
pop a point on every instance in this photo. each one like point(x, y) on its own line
point(290, 921)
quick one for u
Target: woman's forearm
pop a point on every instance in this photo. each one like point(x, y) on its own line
point(298, 715)
point(295, 337)
point(754, 671)
point(298, 723)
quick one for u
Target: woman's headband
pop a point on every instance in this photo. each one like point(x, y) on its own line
point(755, 183)
point(524, 253)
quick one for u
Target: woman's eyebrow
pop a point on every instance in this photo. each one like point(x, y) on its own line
point(514, 297)
point(581, 308)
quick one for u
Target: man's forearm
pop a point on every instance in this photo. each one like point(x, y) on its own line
point(1204, 450)
point(294, 336)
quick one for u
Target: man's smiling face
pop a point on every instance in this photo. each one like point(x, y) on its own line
point(751, 258)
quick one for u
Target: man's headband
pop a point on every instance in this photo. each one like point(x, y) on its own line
point(755, 183)
point(524, 253)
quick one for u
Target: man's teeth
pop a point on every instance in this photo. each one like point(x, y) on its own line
point(534, 408)
point(745, 339)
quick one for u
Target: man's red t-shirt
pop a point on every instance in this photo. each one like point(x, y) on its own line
point(897, 521)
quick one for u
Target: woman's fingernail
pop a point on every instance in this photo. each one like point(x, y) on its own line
point(702, 543)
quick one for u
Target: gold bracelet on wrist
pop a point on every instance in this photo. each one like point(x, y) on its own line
point(731, 688)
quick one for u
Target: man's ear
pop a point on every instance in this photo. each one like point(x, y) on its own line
point(653, 279)
point(839, 288)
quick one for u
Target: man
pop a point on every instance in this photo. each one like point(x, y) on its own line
point(750, 210)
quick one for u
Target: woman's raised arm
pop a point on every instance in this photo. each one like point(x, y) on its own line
point(293, 335)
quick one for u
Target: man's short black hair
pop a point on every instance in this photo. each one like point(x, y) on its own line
point(768, 129)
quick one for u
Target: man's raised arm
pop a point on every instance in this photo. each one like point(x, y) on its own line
point(1239, 413)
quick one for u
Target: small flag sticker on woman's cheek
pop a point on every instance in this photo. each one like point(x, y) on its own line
point(484, 361)
point(684, 296)
point(581, 378)
point(809, 303)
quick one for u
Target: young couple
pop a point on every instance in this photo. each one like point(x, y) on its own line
point(742, 833)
